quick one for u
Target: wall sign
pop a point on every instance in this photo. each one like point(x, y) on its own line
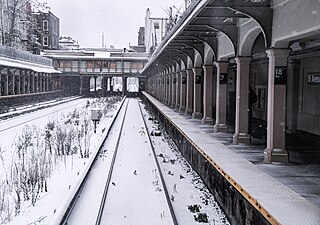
point(223, 78)
point(280, 75)
point(313, 78)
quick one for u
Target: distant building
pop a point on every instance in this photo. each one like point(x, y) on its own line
point(141, 36)
point(67, 43)
point(47, 30)
point(155, 30)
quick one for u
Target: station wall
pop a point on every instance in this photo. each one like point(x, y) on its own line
point(309, 104)
point(301, 20)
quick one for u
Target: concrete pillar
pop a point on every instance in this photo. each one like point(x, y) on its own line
point(197, 101)
point(13, 82)
point(32, 82)
point(159, 87)
point(111, 86)
point(36, 82)
point(18, 82)
point(45, 82)
point(178, 87)
point(23, 82)
point(28, 81)
point(166, 91)
point(6, 83)
point(103, 86)
point(241, 134)
point(124, 86)
point(81, 85)
point(170, 90)
point(221, 97)
point(189, 92)
point(183, 90)
point(39, 82)
point(276, 114)
point(174, 82)
point(163, 91)
point(293, 94)
point(207, 93)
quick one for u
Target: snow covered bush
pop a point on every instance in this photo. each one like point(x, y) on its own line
point(38, 150)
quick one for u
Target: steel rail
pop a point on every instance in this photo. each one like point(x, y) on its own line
point(105, 192)
point(30, 120)
point(72, 204)
point(174, 218)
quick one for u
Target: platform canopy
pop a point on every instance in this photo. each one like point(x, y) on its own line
point(203, 22)
point(13, 63)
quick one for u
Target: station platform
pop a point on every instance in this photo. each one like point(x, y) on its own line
point(283, 193)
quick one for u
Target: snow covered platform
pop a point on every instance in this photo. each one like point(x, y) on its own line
point(246, 193)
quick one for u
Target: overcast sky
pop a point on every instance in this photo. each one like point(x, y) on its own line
point(119, 20)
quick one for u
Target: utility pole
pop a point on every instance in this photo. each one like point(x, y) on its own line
point(102, 40)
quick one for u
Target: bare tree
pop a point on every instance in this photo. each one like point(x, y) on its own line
point(16, 21)
point(13, 12)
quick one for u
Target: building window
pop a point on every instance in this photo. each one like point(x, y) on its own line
point(45, 41)
point(45, 25)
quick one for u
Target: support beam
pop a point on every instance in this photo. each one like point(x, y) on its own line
point(189, 92)
point(221, 97)
point(276, 117)
point(241, 134)
point(183, 90)
point(197, 101)
point(207, 93)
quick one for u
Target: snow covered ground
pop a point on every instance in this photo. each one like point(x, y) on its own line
point(191, 200)
point(190, 197)
point(65, 170)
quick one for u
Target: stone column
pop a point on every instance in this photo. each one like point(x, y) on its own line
point(163, 77)
point(197, 76)
point(189, 92)
point(221, 97)
point(13, 83)
point(6, 83)
point(36, 82)
point(174, 82)
point(103, 86)
point(170, 90)
point(41, 82)
point(160, 87)
point(124, 86)
point(28, 74)
point(183, 89)
point(241, 134)
point(293, 94)
point(178, 87)
point(166, 92)
point(207, 94)
point(276, 114)
point(45, 82)
point(18, 82)
point(23, 82)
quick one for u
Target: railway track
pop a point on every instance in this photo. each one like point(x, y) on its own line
point(124, 183)
point(15, 120)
